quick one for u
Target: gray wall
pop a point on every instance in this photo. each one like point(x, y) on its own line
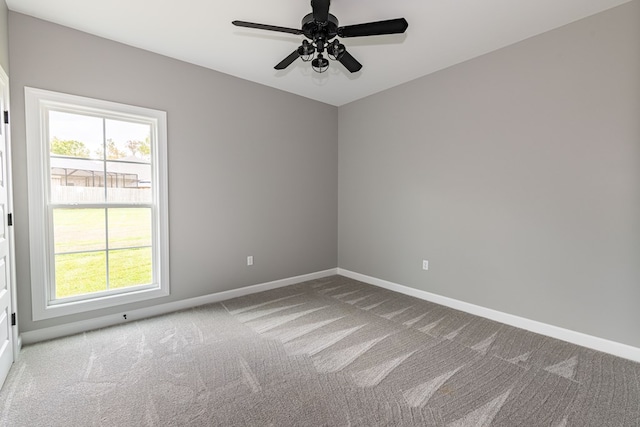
point(246, 174)
point(516, 174)
point(4, 37)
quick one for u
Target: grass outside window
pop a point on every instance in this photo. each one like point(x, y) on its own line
point(89, 242)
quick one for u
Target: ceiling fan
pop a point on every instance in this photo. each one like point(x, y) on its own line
point(320, 27)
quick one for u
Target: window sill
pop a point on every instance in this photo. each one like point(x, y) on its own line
point(74, 307)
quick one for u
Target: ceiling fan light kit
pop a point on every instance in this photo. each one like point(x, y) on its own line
point(320, 64)
point(321, 27)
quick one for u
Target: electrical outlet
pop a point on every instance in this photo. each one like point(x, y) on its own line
point(425, 264)
point(250, 260)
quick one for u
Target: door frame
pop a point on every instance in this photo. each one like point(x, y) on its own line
point(10, 230)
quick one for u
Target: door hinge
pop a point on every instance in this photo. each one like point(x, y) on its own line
point(10, 220)
point(6, 117)
point(13, 319)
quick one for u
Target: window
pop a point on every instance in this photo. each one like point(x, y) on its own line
point(98, 212)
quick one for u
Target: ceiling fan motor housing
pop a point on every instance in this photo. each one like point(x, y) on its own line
point(315, 30)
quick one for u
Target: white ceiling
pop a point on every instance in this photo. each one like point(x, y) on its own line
point(441, 33)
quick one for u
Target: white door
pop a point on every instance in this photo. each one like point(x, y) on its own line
point(6, 329)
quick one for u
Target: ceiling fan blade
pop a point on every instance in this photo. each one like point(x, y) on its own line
point(288, 60)
point(266, 27)
point(320, 10)
point(391, 26)
point(349, 62)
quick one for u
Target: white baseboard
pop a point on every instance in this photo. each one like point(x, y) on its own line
point(578, 338)
point(44, 334)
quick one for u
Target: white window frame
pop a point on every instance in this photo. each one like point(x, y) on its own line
point(37, 104)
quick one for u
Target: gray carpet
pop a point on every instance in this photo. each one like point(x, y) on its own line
point(330, 352)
